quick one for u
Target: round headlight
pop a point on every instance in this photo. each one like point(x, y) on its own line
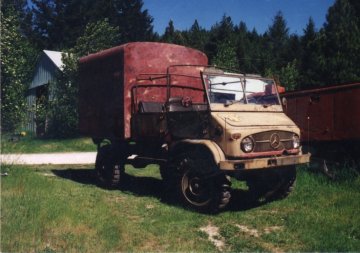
point(247, 144)
point(296, 141)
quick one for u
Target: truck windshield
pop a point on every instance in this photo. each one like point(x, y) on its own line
point(229, 89)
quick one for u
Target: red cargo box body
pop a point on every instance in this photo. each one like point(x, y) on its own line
point(114, 80)
point(326, 114)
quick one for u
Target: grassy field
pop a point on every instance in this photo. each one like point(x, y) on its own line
point(57, 209)
point(30, 144)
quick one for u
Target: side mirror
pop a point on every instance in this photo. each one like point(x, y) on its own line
point(284, 102)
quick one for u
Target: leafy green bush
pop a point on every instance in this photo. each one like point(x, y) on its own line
point(17, 58)
point(63, 112)
point(63, 109)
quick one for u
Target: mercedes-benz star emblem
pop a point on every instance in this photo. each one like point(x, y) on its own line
point(275, 141)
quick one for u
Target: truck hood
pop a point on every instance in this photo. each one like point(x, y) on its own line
point(254, 119)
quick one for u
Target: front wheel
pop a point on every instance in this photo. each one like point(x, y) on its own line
point(108, 168)
point(198, 183)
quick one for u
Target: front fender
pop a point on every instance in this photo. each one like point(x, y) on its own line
point(211, 146)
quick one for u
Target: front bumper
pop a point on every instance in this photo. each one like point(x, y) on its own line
point(263, 163)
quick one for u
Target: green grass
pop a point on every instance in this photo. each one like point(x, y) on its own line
point(31, 144)
point(57, 209)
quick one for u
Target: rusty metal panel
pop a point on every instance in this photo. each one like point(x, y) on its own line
point(101, 94)
point(148, 126)
point(326, 114)
point(347, 114)
point(108, 81)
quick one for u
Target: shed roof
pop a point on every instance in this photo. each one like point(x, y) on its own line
point(55, 57)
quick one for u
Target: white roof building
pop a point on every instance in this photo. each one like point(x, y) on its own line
point(49, 64)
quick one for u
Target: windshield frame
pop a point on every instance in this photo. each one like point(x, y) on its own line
point(235, 105)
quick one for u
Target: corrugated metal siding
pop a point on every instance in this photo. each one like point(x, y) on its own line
point(45, 72)
point(31, 101)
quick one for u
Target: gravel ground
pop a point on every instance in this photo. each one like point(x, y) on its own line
point(50, 158)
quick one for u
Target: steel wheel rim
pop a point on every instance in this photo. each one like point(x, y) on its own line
point(195, 190)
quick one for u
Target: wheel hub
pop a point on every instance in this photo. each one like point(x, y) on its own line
point(195, 186)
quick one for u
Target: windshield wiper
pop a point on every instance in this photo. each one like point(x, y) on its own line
point(224, 83)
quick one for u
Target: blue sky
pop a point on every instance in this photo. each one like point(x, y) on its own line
point(256, 14)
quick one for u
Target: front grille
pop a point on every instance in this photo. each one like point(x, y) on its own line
point(272, 140)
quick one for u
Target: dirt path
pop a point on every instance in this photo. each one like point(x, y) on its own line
point(50, 158)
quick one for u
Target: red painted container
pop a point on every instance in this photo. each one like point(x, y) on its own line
point(111, 81)
point(326, 114)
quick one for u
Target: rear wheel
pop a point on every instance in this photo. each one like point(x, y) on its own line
point(108, 167)
point(196, 181)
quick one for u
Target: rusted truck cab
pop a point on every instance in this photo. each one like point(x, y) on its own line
point(202, 125)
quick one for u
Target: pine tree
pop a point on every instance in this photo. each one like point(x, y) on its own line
point(169, 34)
point(310, 58)
point(135, 24)
point(258, 53)
point(56, 24)
point(45, 32)
point(341, 44)
point(197, 36)
point(277, 41)
point(243, 48)
point(174, 36)
point(220, 34)
point(294, 48)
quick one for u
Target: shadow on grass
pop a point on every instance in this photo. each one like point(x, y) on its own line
point(241, 200)
point(152, 187)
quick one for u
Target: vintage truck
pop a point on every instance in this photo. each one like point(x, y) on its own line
point(155, 103)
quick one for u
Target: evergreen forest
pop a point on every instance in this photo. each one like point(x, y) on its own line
point(320, 56)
